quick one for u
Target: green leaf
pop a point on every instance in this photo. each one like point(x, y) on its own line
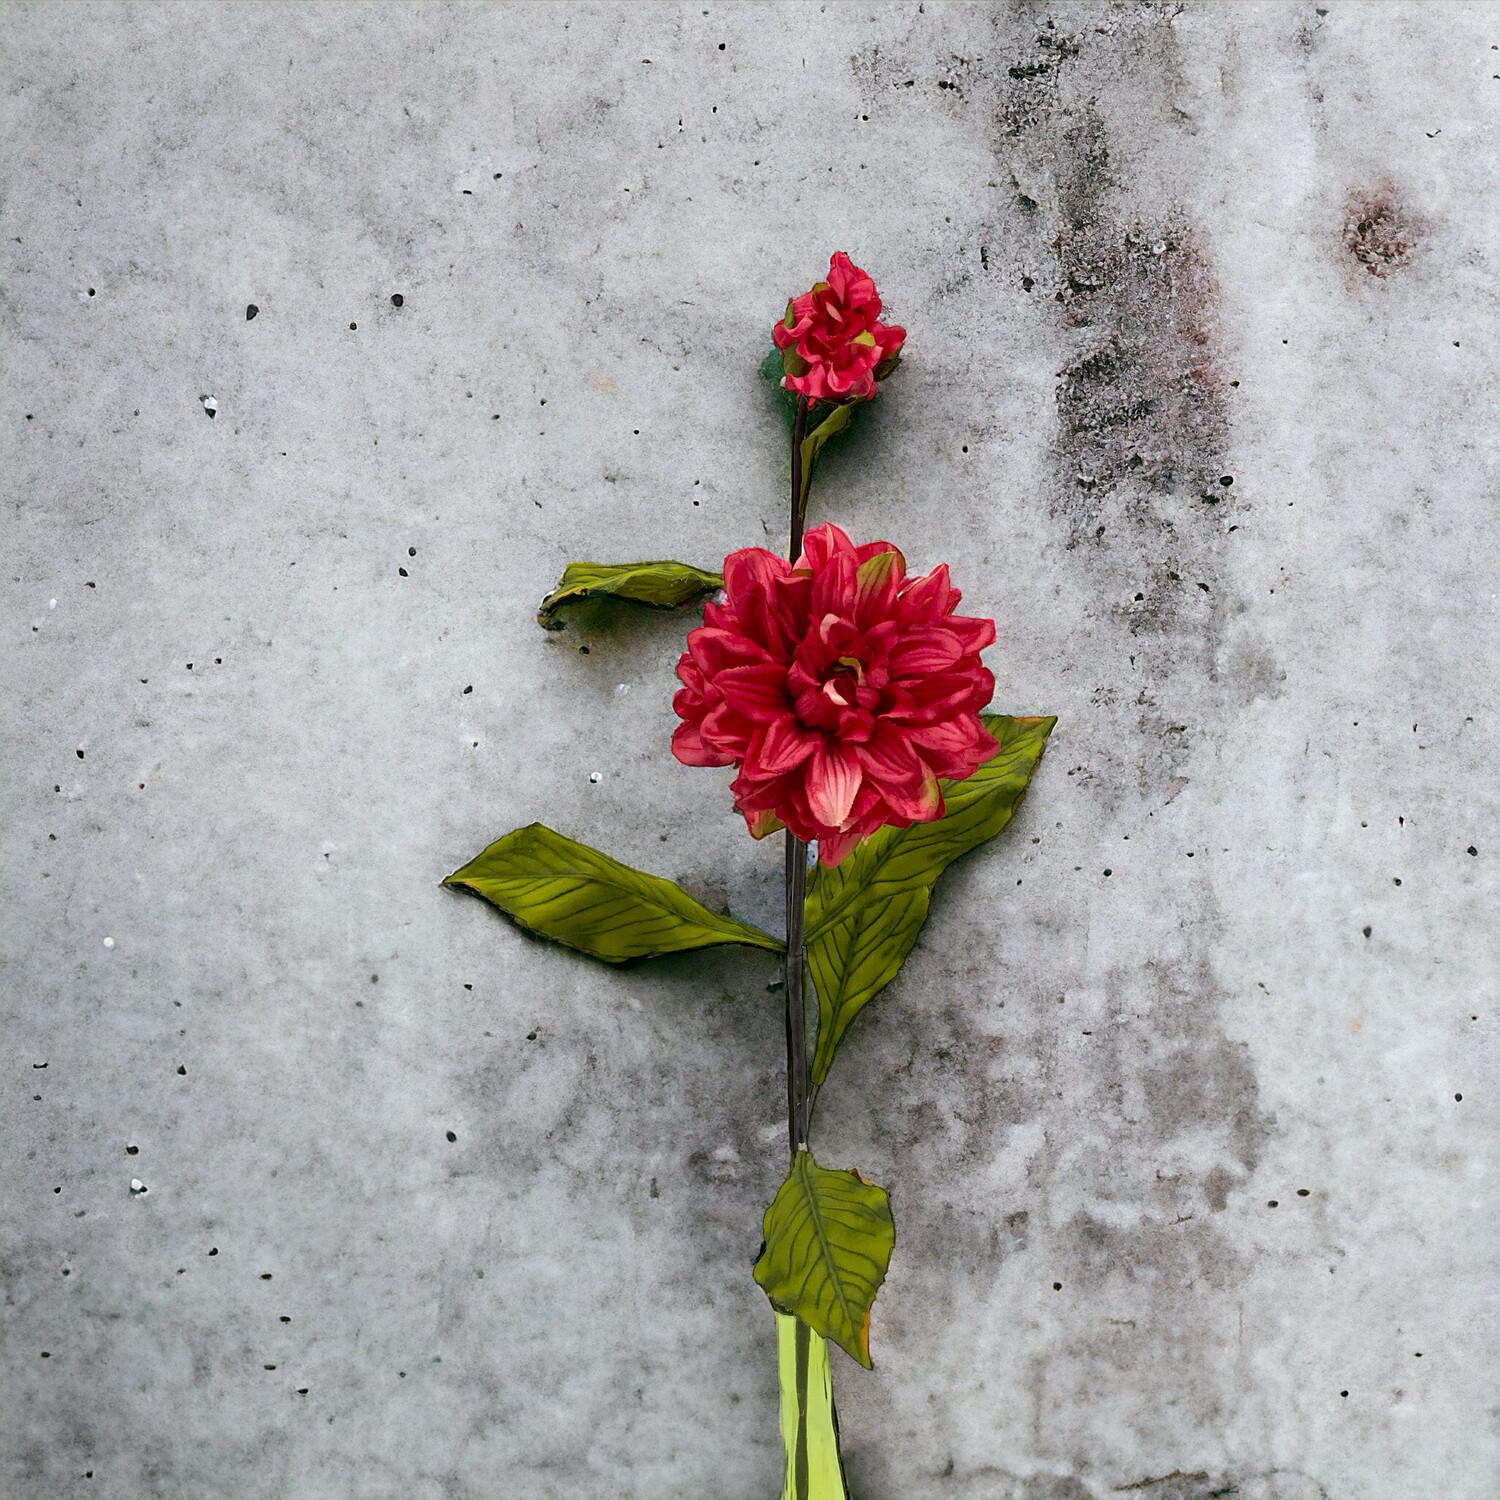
point(583, 899)
point(664, 585)
point(829, 1237)
point(812, 445)
point(863, 916)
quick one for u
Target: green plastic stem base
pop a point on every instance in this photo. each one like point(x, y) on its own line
point(809, 1424)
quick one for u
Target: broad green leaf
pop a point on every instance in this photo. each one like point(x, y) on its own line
point(829, 1237)
point(583, 899)
point(664, 585)
point(863, 916)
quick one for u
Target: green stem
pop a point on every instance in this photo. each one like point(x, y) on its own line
point(809, 1423)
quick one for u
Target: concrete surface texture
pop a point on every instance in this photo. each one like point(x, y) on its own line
point(325, 1182)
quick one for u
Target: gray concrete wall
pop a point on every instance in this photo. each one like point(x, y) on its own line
point(1168, 1099)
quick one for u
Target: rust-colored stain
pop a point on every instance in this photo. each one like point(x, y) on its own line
point(1380, 232)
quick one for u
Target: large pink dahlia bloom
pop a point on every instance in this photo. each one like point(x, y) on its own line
point(834, 348)
point(840, 687)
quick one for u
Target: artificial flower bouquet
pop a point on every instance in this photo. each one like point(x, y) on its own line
point(849, 697)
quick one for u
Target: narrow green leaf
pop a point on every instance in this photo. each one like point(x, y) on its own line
point(664, 585)
point(812, 445)
point(864, 915)
point(829, 1237)
point(583, 899)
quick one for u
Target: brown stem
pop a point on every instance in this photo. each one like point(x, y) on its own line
point(799, 500)
point(796, 873)
point(796, 1018)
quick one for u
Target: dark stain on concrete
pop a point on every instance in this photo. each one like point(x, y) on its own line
point(1381, 231)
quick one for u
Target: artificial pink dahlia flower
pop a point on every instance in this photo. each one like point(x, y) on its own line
point(833, 347)
point(841, 689)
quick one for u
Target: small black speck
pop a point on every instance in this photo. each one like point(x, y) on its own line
point(190, 666)
point(46, 1354)
point(270, 1367)
point(374, 978)
point(66, 1271)
point(1458, 1098)
point(182, 1071)
point(265, 1275)
point(1342, 1393)
point(402, 1374)
point(1139, 597)
point(396, 298)
point(470, 688)
point(79, 754)
point(1302, 1192)
point(250, 312)
point(451, 1136)
point(721, 46)
point(132, 1150)
point(1109, 872)
point(637, 431)
point(583, 650)
point(1226, 480)
point(403, 572)
point(1366, 931)
point(1396, 879)
point(301, 1390)
point(531, 1036)
point(1271, 1203)
point(1204, 587)
point(89, 585)
point(91, 291)
point(353, 326)
point(1057, 1286)
point(411, 551)
point(1472, 849)
point(29, 417)
point(1027, 283)
point(214, 1251)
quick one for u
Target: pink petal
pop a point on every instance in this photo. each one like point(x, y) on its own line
point(923, 652)
point(876, 581)
point(833, 779)
point(974, 633)
point(921, 803)
point(928, 597)
point(689, 748)
point(717, 651)
point(784, 746)
point(759, 693)
point(834, 848)
point(888, 755)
